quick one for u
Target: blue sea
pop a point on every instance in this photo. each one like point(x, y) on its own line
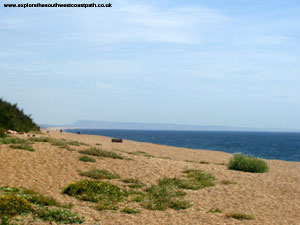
point(268, 145)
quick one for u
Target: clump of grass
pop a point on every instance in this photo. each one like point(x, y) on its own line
point(141, 153)
point(215, 210)
point(102, 153)
point(95, 191)
point(98, 144)
point(39, 139)
point(204, 162)
point(59, 216)
point(239, 216)
point(133, 183)
point(14, 140)
point(226, 182)
point(21, 201)
point(12, 205)
point(107, 205)
point(163, 196)
point(86, 159)
point(199, 176)
point(99, 174)
point(247, 164)
point(181, 183)
point(26, 147)
point(130, 211)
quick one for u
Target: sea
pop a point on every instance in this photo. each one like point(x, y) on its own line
point(268, 145)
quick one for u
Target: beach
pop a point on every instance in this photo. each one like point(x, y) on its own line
point(271, 198)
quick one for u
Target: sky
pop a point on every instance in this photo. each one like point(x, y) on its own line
point(216, 62)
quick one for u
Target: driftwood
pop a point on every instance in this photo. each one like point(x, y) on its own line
point(118, 140)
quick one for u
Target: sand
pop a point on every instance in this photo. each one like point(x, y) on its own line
point(272, 197)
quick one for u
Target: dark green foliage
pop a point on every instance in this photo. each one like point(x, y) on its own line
point(2, 133)
point(59, 215)
point(239, 216)
point(13, 118)
point(130, 211)
point(86, 159)
point(95, 191)
point(102, 153)
point(99, 174)
point(247, 164)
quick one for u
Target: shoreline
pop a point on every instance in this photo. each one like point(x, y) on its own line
point(178, 146)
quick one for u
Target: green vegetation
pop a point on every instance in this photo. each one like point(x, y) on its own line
point(105, 194)
point(163, 196)
point(61, 143)
point(133, 183)
point(247, 164)
point(21, 201)
point(239, 216)
point(59, 215)
point(86, 159)
point(17, 143)
point(99, 174)
point(14, 140)
point(22, 147)
point(201, 178)
point(101, 153)
point(215, 210)
point(13, 118)
point(2, 133)
point(130, 211)
point(141, 153)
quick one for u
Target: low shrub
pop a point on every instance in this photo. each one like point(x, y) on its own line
point(95, 191)
point(20, 201)
point(86, 159)
point(162, 196)
point(59, 216)
point(11, 205)
point(247, 164)
point(101, 153)
point(239, 216)
point(99, 174)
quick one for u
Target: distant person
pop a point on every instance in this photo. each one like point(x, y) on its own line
point(78, 131)
point(60, 130)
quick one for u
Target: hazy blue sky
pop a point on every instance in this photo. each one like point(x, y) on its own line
point(212, 62)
